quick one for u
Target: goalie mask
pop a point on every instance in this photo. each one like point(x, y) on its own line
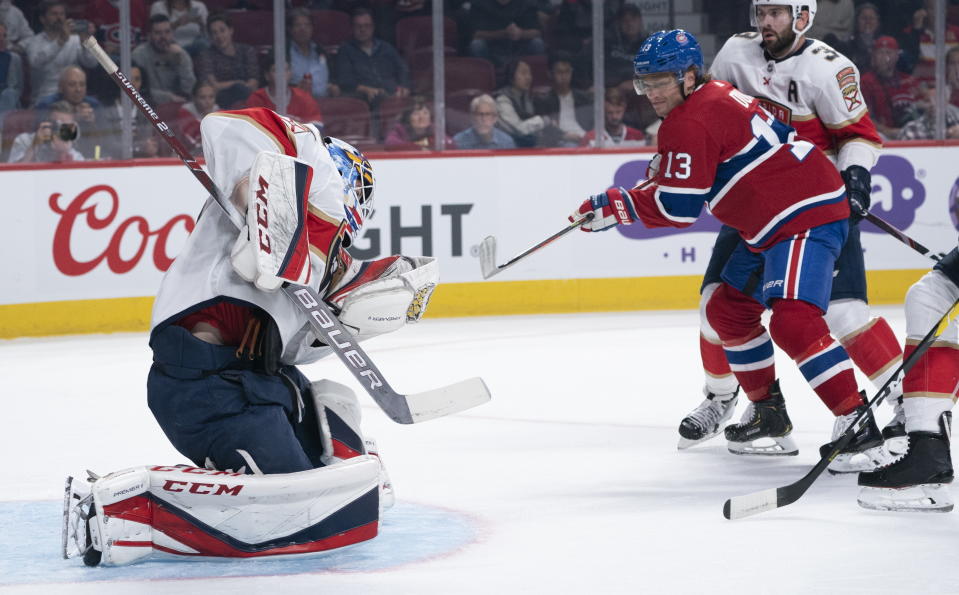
point(358, 184)
point(797, 7)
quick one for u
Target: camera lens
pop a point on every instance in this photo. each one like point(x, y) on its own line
point(68, 131)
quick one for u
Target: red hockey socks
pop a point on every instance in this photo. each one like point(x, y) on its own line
point(800, 330)
point(936, 374)
point(746, 345)
point(875, 350)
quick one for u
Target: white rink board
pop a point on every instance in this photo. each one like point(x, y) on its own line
point(109, 232)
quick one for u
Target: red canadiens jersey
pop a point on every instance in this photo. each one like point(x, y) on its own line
point(890, 102)
point(719, 148)
point(816, 90)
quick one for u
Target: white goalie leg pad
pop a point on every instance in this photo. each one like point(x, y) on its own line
point(274, 247)
point(372, 306)
point(339, 416)
point(194, 513)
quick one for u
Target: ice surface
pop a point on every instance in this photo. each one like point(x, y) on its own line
point(569, 481)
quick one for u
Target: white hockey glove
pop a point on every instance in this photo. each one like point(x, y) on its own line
point(273, 247)
point(652, 170)
point(381, 296)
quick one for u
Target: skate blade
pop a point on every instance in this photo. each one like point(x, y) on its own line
point(857, 462)
point(933, 497)
point(685, 443)
point(782, 446)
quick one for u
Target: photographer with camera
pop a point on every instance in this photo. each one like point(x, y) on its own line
point(53, 140)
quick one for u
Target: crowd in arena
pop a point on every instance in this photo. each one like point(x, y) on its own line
point(518, 72)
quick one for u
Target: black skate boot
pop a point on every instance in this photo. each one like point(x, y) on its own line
point(706, 420)
point(763, 422)
point(917, 481)
point(864, 453)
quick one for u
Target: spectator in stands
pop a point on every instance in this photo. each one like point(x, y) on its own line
point(232, 68)
point(92, 142)
point(188, 19)
point(952, 75)
point(505, 30)
point(834, 21)
point(621, 46)
point(53, 140)
point(867, 29)
point(11, 76)
point(890, 95)
point(571, 109)
point(924, 127)
point(483, 134)
point(300, 106)
point(18, 28)
point(307, 60)
point(72, 88)
point(615, 132)
point(145, 144)
point(190, 114)
point(168, 66)
point(415, 128)
point(919, 42)
point(105, 15)
point(517, 114)
point(368, 67)
point(574, 26)
point(53, 49)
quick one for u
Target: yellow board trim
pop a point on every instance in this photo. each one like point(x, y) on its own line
point(452, 299)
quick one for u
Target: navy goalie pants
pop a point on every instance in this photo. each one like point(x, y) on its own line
point(217, 407)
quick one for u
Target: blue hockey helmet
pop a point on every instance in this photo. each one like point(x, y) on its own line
point(667, 52)
point(358, 183)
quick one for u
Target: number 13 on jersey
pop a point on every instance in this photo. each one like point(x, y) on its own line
point(683, 165)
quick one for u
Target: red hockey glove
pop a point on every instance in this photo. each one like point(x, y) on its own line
point(613, 207)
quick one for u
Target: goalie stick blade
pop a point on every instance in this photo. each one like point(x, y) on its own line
point(447, 400)
point(739, 507)
point(487, 257)
point(65, 527)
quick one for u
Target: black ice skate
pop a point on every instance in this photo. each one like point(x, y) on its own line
point(916, 482)
point(864, 453)
point(764, 428)
point(706, 420)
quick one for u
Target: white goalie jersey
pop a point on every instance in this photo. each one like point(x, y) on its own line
point(203, 273)
point(816, 90)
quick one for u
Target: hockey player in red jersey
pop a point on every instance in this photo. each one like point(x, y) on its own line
point(806, 84)
point(718, 148)
point(279, 465)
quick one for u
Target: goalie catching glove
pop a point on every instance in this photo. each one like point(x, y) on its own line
point(613, 207)
point(273, 247)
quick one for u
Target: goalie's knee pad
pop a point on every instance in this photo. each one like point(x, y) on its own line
point(338, 415)
point(188, 512)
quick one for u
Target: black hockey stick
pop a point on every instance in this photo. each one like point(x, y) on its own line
point(487, 248)
point(739, 507)
point(900, 235)
point(404, 409)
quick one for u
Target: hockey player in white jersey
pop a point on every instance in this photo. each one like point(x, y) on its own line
point(808, 85)
point(279, 464)
point(918, 481)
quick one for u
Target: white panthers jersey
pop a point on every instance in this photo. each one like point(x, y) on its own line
point(203, 271)
point(816, 90)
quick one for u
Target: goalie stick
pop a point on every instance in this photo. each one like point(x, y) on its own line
point(404, 409)
point(739, 507)
point(487, 248)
